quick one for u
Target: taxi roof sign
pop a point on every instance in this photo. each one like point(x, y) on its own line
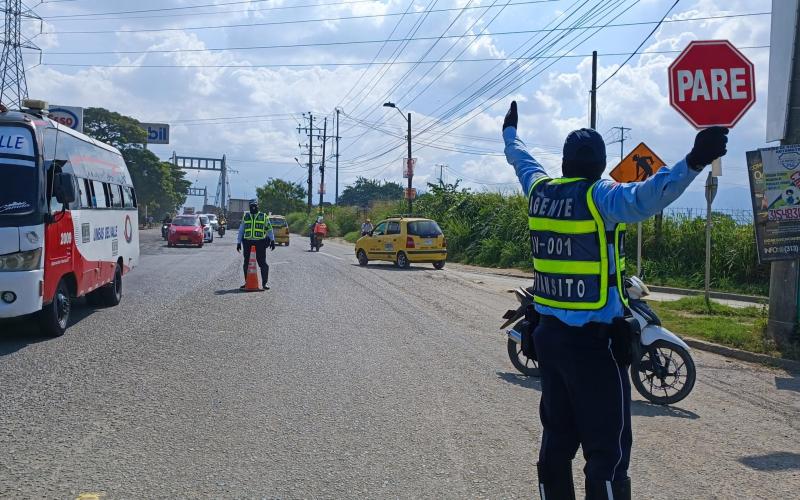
point(640, 164)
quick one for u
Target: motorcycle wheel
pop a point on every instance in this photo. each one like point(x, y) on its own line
point(664, 374)
point(523, 364)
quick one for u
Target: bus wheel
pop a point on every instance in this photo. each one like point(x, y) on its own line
point(54, 317)
point(111, 294)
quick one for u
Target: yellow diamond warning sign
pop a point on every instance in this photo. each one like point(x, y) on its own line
point(640, 164)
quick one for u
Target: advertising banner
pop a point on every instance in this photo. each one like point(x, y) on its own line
point(775, 190)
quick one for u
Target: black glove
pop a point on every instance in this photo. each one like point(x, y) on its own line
point(272, 244)
point(709, 144)
point(511, 117)
point(238, 247)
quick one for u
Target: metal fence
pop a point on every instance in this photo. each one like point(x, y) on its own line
point(739, 216)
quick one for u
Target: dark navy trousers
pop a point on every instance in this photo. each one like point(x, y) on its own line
point(586, 397)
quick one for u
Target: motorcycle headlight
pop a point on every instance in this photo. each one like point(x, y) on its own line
point(21, 261)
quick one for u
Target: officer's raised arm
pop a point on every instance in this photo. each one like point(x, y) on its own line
point(636, 201)
point(527, 168)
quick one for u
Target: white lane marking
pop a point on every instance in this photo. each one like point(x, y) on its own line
point(276, 263)
point(329, 255)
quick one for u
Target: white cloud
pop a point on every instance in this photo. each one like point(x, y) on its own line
point(551, 105)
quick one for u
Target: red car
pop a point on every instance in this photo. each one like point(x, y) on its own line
point(185, 230)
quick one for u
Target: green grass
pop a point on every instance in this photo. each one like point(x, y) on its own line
point(352, 236)
point(742, 328)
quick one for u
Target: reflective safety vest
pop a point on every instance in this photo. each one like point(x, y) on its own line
point(570, 246)
point(255, 227)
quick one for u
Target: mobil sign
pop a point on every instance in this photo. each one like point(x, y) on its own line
point(712, 83)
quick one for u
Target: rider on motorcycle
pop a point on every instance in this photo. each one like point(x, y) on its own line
point(317, 228)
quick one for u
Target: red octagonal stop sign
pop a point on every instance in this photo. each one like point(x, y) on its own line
point(712, 83)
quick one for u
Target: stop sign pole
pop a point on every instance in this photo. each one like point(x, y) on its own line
point(711, 84)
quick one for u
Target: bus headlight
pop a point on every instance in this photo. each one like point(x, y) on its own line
point(21, 261)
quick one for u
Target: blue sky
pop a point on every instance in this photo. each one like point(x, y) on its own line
point(206, 95)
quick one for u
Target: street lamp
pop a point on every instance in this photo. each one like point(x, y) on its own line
point(410, 171)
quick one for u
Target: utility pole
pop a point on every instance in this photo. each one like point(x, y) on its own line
point(310, 131)
point(336, 198)
point(784, 280)
point(410, 170)
point(621, 141)
point(13, 84)
point(322, 163)
point(441, 173)
point(593, 92)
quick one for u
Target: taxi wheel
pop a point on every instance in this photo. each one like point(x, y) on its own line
point(439, 264)
point(362, 258)
point(402, 260)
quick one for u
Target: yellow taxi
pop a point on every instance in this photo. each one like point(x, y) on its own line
point(404, 240)
point(280, 228)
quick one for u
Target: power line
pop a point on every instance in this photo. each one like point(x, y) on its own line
point(189, 7)
point(293, 21)
point(641, 44)
point(374, 41)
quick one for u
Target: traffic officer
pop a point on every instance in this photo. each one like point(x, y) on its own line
point(256, 230)
point(576, 225)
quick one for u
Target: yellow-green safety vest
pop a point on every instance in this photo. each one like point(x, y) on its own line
point(256, 227)
point(570, 246)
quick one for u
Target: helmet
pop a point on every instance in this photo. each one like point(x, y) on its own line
point(319, 219)
point(253, 202)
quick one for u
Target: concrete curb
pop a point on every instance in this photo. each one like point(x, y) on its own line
point(755, 299)
point(750, 357)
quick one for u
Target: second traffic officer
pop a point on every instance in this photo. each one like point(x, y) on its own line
point(256, 230)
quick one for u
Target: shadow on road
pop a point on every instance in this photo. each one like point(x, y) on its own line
point(787, 383)
point(229, 291)
point(521, 380)
point(391, 267)
point(645, 409)
point(780, 460)
point(18, 334)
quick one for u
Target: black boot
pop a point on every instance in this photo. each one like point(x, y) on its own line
point(608, 490)
point(555, 481)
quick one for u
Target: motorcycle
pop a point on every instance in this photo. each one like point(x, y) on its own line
point(164, 230)
point(221, 230)
point(316, 242)
point(662, 370)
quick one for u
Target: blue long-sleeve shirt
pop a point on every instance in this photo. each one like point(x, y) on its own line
point(270, 234)
point(617, 203)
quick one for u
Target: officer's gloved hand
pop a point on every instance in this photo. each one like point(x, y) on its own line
point(238, 247)
point(511, 117)
point(709, 144)
point(272, 244)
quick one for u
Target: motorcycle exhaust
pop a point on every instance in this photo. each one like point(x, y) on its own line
point(514, 335)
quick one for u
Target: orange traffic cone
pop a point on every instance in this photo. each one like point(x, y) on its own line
point(251, 281)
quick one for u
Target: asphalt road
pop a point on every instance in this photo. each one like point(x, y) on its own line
point(340, 382)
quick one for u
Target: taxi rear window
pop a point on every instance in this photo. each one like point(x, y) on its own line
point(277, 222)
point(424, 228)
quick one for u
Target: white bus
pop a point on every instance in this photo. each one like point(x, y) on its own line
point(68, 219)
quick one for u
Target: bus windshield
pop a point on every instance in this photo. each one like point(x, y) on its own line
point(18, 191)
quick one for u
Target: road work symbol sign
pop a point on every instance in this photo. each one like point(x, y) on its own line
point(640, 164)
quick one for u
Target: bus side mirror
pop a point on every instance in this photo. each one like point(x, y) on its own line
point(64, 188)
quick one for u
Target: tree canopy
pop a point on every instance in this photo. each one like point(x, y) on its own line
point(281, 197)
point(160, 186)
point(365, 191)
